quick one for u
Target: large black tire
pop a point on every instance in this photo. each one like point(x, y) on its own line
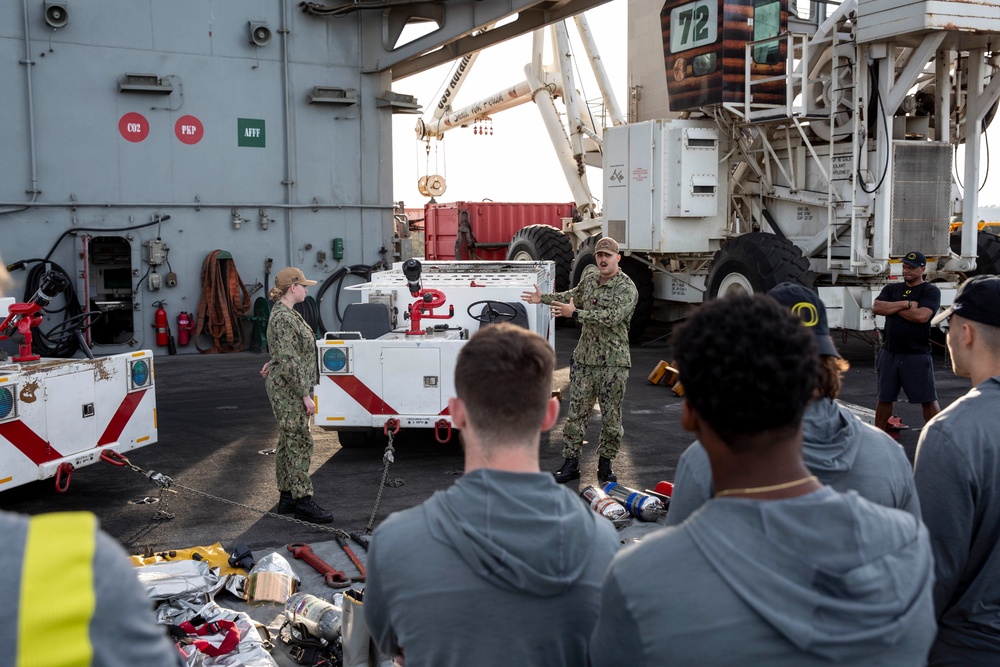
point(642, 276)
point(987, 251)
point(754, 263)
point(583, 260)
point(542, 242)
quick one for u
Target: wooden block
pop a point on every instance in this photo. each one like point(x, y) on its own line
point(658, 373)
point(678, 389)
point(664, 373)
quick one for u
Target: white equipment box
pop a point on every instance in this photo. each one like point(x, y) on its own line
point(57, 415)
point(404, 373)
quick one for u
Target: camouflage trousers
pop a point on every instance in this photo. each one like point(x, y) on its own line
point(604, 385)
point(295, 444)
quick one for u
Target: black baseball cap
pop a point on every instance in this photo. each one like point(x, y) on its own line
point(805, 303)
point(915, 259)
point(978, 299)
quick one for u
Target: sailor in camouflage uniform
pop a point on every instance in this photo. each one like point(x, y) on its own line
point(603, 303)
point(290, 377)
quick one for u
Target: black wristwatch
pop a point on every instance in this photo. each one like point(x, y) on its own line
point(576, 315)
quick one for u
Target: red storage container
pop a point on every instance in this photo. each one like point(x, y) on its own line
point(492, 224)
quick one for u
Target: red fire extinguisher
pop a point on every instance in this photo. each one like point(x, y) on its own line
point(184, 328)
point(160, 324)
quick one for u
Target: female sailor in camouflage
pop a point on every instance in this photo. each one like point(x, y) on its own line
point(603, 303)
point(290, 377)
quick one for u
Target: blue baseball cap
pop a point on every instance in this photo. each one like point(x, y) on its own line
point(915, 259)
point(805, 303)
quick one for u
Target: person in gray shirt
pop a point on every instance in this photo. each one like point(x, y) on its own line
point(776, 569)
point(957, 470)
point(839, 448)
point(505, 566)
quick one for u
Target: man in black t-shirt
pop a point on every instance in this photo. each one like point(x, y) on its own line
point(904, 361)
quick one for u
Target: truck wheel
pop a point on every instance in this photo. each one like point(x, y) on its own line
point(987, 253)
point(642, 276)
point(542, 242)
point(584, 261)
point(754, 263)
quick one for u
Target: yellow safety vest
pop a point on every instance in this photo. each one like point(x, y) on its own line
point(57, 591)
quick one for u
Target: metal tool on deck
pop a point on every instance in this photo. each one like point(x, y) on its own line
point(350, 554)
point(333, 577)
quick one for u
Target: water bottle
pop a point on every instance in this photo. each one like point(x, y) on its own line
point(319, 618)
point(640, 505)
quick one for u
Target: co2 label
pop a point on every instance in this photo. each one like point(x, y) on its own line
point(133, 127)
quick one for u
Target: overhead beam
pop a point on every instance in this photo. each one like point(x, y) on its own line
point(454, 39)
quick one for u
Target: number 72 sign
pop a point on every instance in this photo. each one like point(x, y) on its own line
point(693, 24)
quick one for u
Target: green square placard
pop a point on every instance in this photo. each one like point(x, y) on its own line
point(251, 132)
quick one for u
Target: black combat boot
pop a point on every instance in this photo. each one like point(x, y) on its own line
point(306, 509)
point(604, 472)
point(570, 470)
point(286, 504)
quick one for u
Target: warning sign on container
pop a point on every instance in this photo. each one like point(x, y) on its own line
point(189, 129)
point(251, 132)
point(133, 126)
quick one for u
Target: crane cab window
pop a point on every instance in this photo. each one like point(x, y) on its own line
point(766, 24)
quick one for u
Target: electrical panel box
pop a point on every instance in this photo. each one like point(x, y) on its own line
point(691, 186)
point(663, 190)
point(157, 252)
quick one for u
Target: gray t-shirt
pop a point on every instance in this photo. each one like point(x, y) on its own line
point(957, 471)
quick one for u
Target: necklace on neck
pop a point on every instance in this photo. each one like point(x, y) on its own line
point(765, 489)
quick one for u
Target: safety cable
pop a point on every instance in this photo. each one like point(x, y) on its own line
point(338, 277)
point(888, 140)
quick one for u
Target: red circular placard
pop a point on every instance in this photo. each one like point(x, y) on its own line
point(189, 129)
point(133, 126)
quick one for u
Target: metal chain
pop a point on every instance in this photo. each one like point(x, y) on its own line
point(283, 517)
point(167, 484)
point(387, 458)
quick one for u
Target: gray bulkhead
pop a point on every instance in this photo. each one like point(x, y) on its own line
point(219, 134)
